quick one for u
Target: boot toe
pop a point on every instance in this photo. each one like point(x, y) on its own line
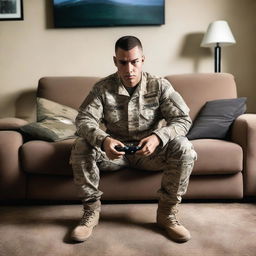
point(81, 233)
point(178, 233)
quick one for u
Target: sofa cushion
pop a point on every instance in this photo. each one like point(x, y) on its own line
point(216, 117)
point(217, 157)
point(54, 122)
point(46, 157)
point(214, 157)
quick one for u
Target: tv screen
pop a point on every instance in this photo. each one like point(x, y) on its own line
point(102, 13)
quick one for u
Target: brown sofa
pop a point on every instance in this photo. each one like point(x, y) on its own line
point(40, 170)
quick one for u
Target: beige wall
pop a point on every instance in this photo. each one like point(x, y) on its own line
point(32, 48)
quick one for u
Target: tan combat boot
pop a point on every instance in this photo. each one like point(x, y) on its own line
point(89, 220)
point(166, 219)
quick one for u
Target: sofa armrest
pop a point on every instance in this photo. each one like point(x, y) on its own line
point(244, 134)
point(11, 123)
point(12, 178)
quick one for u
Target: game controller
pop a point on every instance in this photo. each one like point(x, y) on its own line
point(129, 150)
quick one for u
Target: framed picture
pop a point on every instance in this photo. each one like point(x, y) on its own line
point(11, 10)
point(103, 13)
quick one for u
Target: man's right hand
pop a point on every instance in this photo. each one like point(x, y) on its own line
point(109, 148)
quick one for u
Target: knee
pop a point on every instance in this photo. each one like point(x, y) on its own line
point(181, 149)
point(81, 149)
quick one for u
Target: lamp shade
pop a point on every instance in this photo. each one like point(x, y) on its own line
point(218, 32)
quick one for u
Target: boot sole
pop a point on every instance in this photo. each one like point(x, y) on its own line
point(177, 240)
point(80, 240)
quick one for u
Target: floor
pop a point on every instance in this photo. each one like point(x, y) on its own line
point(128, 230)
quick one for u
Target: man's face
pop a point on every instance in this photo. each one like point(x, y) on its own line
point(129, 65)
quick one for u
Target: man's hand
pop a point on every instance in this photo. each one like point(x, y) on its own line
point(109, 148)
point(149, 144)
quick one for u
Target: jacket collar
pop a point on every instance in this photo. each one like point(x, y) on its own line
point(141, 89)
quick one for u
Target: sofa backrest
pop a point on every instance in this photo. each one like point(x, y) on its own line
point(196, 89)
point(69, 91)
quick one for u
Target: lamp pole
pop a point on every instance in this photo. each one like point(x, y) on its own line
point(217, 58)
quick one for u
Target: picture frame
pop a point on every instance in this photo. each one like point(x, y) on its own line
point(11, 10)
point(108, 13)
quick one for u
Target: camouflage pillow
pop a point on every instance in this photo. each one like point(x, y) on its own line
point(55, 122)
point(47, 109)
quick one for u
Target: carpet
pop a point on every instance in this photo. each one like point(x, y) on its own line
point(128, 230)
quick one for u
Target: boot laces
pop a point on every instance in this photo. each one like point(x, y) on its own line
point(172, 218)
point(87, 216)
point(171, 214)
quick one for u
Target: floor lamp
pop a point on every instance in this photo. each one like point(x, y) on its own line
point(218, 34)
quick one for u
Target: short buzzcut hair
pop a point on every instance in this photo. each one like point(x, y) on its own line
point(127, 43)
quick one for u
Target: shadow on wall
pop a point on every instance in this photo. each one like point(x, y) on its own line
point(6, 105)
point(49, 14)
point(241, 58)
point(25, 105)
point(191, 49)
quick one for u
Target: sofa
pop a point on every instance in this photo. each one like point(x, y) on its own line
point(40, 170)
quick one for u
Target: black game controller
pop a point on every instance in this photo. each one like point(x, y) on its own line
point(129, 150)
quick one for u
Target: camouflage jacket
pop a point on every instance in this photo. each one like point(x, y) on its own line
point(131, 118)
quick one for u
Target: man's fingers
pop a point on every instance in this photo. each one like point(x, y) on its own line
point(115, 152)
point(147, 150)
point(144, 151)
point(143, 142)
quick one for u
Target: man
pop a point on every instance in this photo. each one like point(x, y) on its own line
point(131, 103)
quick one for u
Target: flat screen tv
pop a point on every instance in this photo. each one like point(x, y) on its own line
point(104, 13)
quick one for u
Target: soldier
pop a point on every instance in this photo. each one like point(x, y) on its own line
point(131, 103)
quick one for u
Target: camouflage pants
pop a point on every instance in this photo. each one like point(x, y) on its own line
point(176, 160)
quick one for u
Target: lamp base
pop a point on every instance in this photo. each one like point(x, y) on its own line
point(217, 58)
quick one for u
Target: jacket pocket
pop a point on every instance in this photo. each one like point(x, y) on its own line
point(149, 109)
point(113, 114)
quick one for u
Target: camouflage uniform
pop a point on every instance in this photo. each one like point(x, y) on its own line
point(130, 119)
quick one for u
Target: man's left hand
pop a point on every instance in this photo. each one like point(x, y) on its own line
point(149, 144)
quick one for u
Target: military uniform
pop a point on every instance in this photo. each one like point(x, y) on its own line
point(130, 119)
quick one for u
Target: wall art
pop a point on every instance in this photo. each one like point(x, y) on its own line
point(11, 10)
point(102, 13)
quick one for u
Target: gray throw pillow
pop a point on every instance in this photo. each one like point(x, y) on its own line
point(215, 118)
point(55, 122)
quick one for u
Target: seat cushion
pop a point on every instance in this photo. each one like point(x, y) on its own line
point(214, 157)
point(47, 157)
point(217, 157)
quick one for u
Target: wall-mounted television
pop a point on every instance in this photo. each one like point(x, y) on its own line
point(105, 13)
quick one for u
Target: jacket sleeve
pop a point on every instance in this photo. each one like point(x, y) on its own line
point(175, 112)
point(89, 116)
